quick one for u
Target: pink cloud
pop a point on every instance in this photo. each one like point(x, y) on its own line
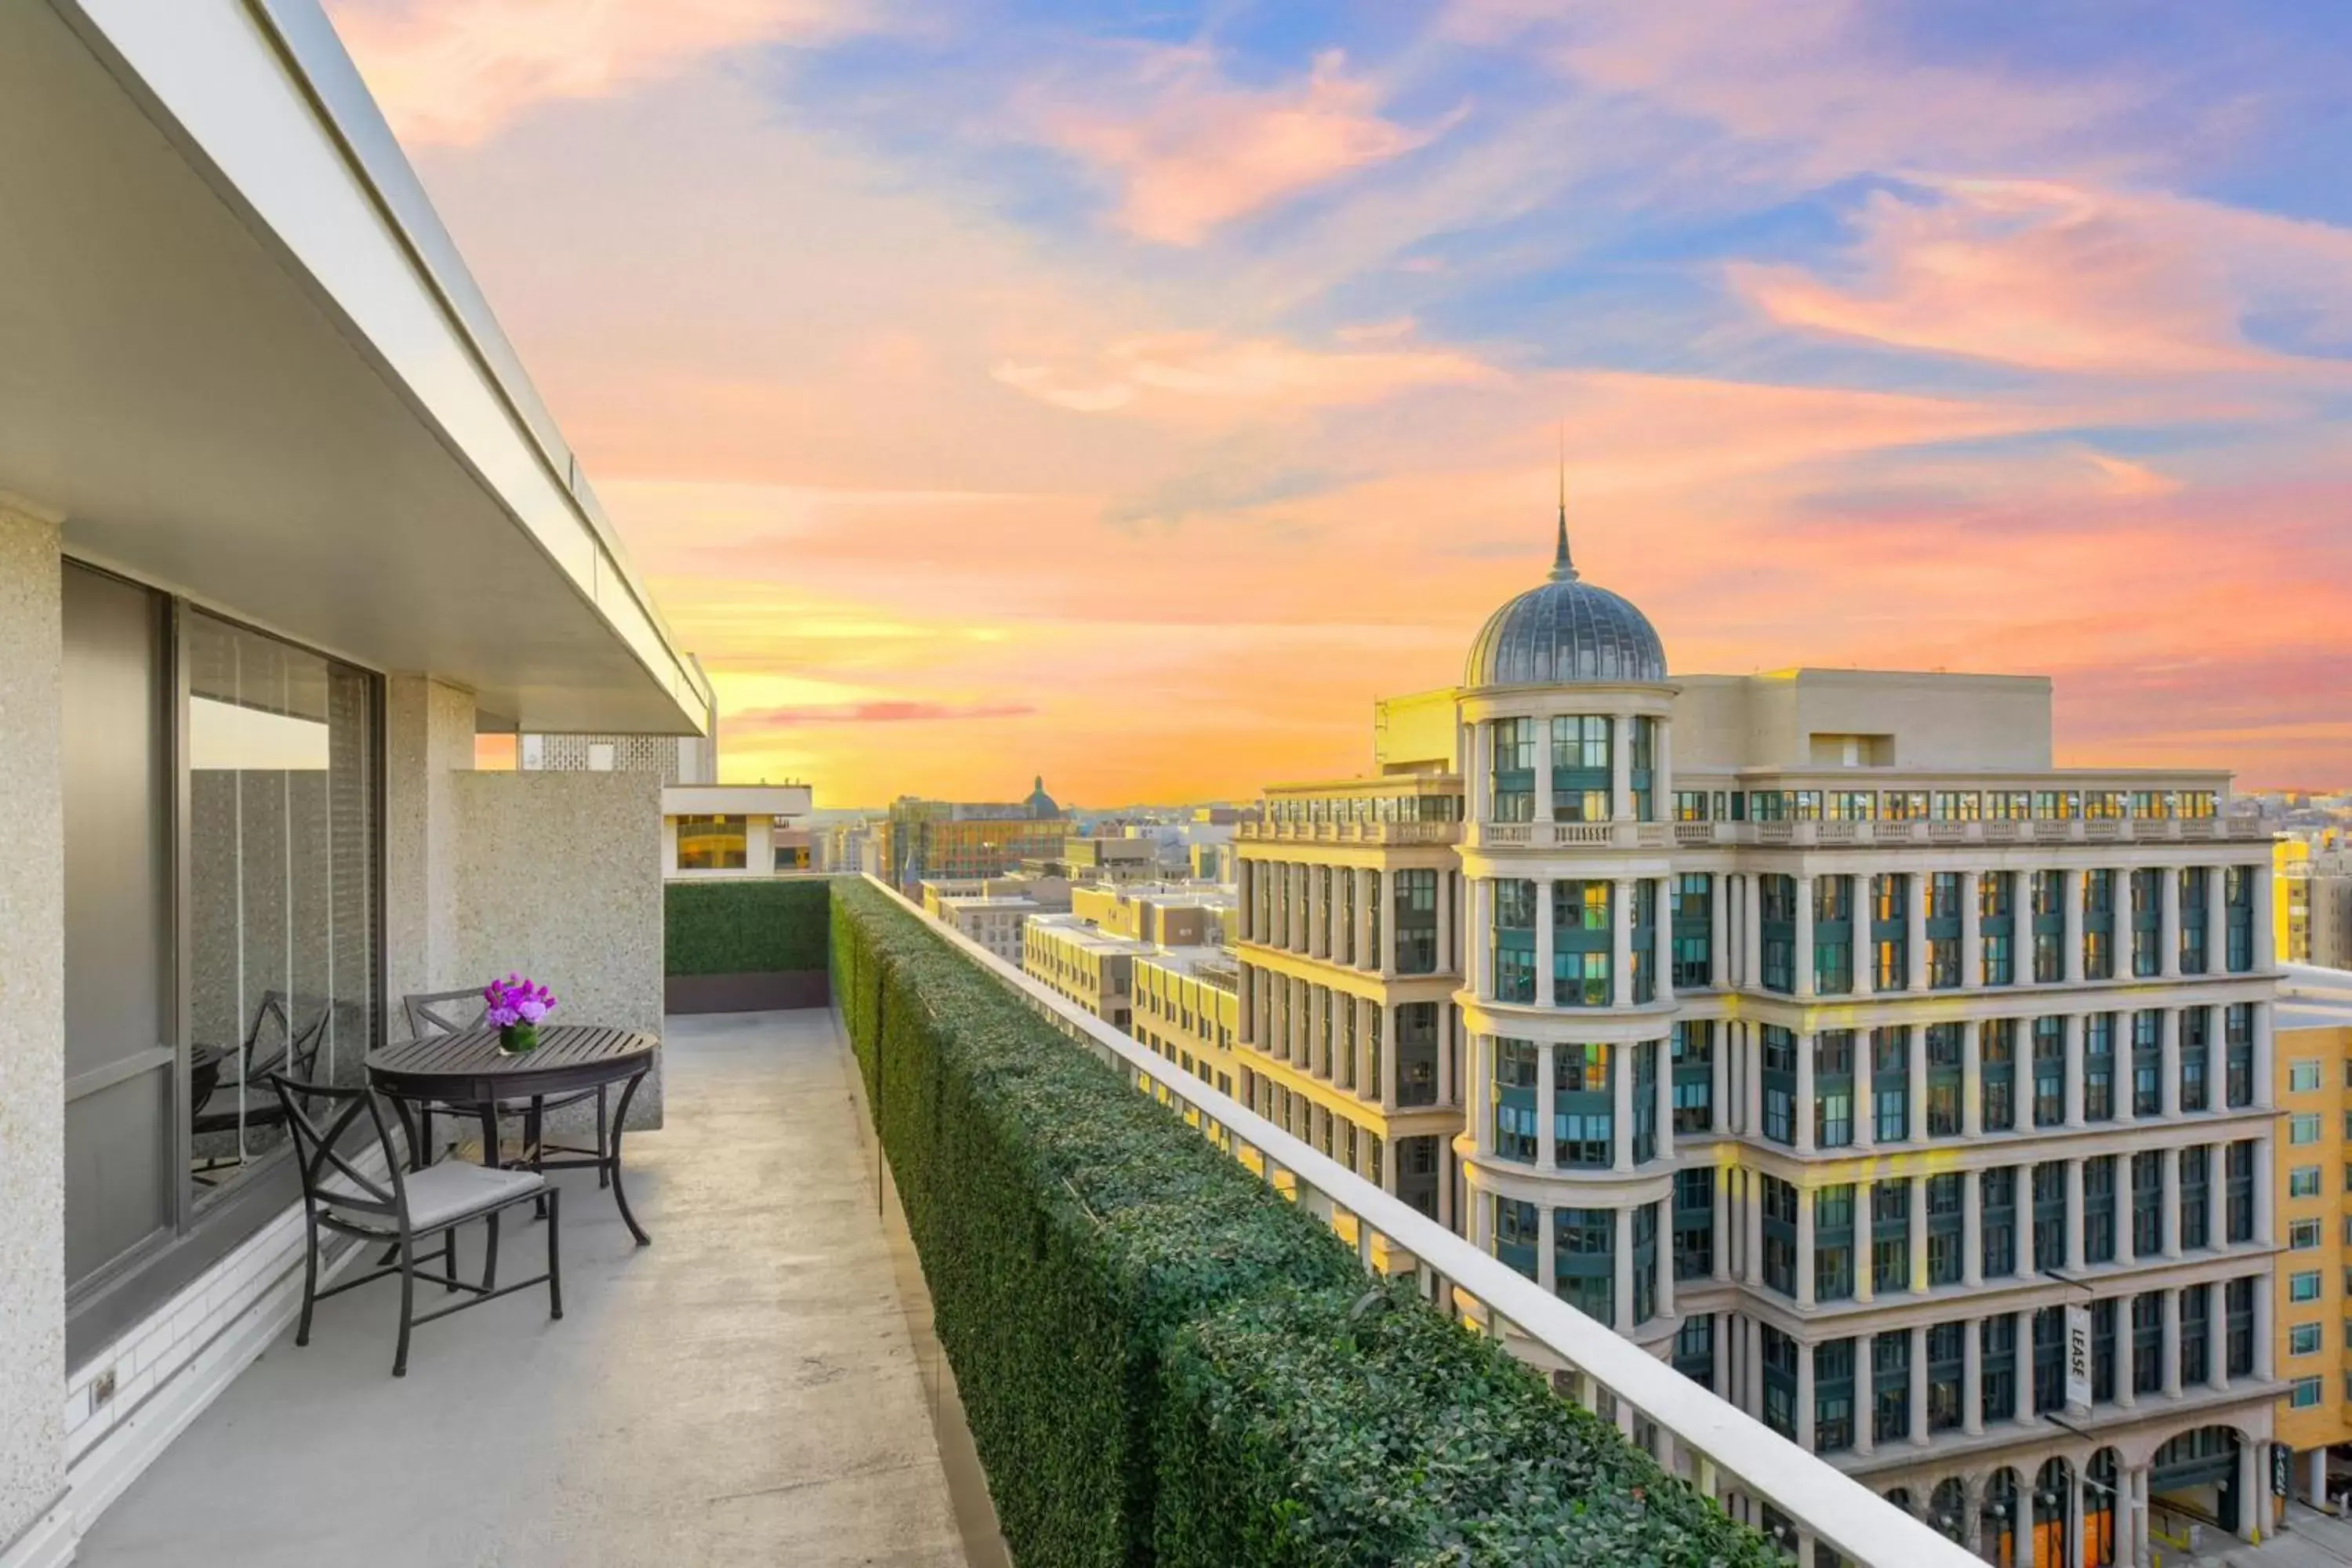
point(1199, 152)
point(2047, 276)
point(457, 71)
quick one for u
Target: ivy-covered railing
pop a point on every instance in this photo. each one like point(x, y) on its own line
point(1164, 1361)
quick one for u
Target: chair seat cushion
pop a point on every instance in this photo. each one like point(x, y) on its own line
point(441, 1193)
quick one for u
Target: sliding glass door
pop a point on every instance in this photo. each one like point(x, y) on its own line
point(223, 850)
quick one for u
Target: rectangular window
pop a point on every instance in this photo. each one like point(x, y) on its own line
point(1778, 1051)
point(1694, 1068)
point(1415, 925)
point(2306, 1394)
point(1997, 1064)
point(1997, 1194)
point(1581, 775)
point(2304, 1129)
point(2302, 1182)
point(2302, 1077)
point(2304, 1286)
point(1514, 782)
point(2304, 1339)
point(2302, 1236)
point(1515, 1100)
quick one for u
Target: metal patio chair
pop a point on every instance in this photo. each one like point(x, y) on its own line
point(402, 1207)
point(434, 1013)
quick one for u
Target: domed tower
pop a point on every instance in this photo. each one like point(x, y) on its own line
point(1568, 1000)
point(1042, 807)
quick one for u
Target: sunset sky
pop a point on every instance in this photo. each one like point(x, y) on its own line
point(1130, 393)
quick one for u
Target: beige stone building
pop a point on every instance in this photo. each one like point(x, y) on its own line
point(1819, 1034)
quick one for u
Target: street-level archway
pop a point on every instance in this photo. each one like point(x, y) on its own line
point(2195, 1478)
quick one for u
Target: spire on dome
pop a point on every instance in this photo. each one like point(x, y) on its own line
point(1563, 568)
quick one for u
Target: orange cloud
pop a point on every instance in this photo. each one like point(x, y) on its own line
point(1201, 154)
point(457, 71)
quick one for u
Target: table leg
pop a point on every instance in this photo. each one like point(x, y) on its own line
point(490, 1134)
point(620, 1195)
point(535, 1135)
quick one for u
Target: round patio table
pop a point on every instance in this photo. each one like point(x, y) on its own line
point(465, 1071)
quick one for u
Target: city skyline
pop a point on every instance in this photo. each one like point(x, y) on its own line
point(1134, 403)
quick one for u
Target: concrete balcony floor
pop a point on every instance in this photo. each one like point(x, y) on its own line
point(745, 1390)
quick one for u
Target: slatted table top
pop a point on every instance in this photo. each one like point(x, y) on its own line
point(568, 1056)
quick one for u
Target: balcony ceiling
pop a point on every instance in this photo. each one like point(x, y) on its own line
point(203, 408)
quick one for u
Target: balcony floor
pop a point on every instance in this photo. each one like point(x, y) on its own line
point(744, 1390)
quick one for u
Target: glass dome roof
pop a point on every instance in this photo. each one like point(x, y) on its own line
point(1564, 632)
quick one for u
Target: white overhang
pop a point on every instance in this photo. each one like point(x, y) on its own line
point(240, 357)
point(736, 800)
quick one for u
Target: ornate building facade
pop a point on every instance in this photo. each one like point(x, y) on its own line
point(1817, 1033)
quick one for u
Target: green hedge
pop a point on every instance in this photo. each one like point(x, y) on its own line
point(1309, 1429)
point(744, 927)
point(1160, 1359)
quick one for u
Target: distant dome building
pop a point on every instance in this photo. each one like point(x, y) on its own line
point(1041, 805)
point(1566, 632)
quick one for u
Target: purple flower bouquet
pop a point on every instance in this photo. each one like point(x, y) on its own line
point(515, 1008)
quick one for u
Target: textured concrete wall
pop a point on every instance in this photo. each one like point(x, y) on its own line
point(562, 881)
point(428, 747)
point(32, 1028)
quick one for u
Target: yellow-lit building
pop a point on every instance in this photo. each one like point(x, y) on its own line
point(2291, 898)
point(2314, 1349)
point(1187, 1005)
point(1084, 963)
point(1350, 951)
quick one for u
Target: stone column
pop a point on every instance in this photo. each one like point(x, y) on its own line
point(1719, 1077)
point(2255, 1516)
point(1449, 1031)
point(1803, 1116)
point(1972, 1229)
point(2216, 1060)
point(1720, 1230)
point(1476, 941)
point(2217, 1333)
point(2216, 919)
point(2263, 1325)
point(2170, 1208)
point(1547, 1250)
point(1804, 961)
point(2073, 1216)
point(2021, 1338)
point(1865, 1097)
point(1858, 893)
point(1547, 1087)
point(1972, 929)
point(2168, 1060)
point(1972, 1377)
point(1865, 1240)
point(1620, 768)
point(1665, 1087)
point(1719, 933)
point(1663, 1261)
point(1662, 768)
point(1751, 939)
point(1915, 1088)
point(2126, 1210)
point(1805, 1197)
point(1914, 928)
point(1387, 1088)
point(1543, 777)
point(1621, 1256)
point(1752, 1070)
point(1547, 943)
point(1971, 1078)
point(2071, 891)
point(1805, 1397)
point(1367, 888)
point(2168, 931)
point(2265, 926)
point(2073, 1069)
point(1865, 1387)
point(1919, 1211)
point(2265, 1191)
point(1621, 1094)
point(2266, 1063)
point(1751, 1262)
point(1662, 937)
point(1381, 958)
point(1919, 1390)
point(1620, 942)
point(32, 1038)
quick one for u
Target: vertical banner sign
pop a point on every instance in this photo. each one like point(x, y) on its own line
point(2282, 1469)
point(2078, 1357)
